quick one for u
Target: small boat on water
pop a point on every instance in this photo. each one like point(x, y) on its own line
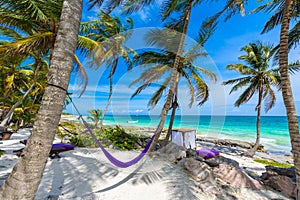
point(132, 121)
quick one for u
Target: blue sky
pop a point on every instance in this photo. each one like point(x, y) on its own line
point(223, 48)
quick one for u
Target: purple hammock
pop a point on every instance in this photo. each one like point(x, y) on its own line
point(114, 160)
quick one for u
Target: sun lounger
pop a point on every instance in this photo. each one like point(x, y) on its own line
point(54, 152)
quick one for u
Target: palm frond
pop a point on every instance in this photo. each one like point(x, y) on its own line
point(158, 94)
point(201, 89)
point(246, 95)
point(239, 83)
point(269, 99)
point(140, 89)
point(83, 74)
point(9, 33)
point(240, 68)
point(206, 72)
point(191, 87)
point(37, 42)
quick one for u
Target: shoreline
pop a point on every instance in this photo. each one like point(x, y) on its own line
point(268, 143)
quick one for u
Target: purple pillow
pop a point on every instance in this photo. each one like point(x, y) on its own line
point(207, 153)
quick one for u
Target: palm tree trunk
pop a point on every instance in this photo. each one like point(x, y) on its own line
point(10, 113)
point(252, 151)
point(110, 90)
point(287, 90)
point(174, 107)
point(166, 107)
point(26, 175)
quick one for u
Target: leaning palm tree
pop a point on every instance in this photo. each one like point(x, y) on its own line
point(26, 175)
point(110, 36)
point(257, 78)
point(182, 10)
point(284, 12)
point(159, 65)
point(287, 93)
point(287, 9)
point(276, 19)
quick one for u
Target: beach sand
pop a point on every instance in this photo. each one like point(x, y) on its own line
point(86, 174)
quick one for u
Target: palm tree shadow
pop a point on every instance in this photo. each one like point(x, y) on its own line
point(69, 172)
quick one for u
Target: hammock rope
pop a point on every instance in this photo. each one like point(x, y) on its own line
point(108, 155)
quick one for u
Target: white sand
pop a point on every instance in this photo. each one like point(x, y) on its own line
point(87, 174)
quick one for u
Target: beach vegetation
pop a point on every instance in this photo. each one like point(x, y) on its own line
point(22, 90)
point(273, 163)
point(120, 139)
point(257, 77)
point(95, 116)
point(108, 136)
point(2, 152)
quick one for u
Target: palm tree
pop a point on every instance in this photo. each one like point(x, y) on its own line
point(287, 93)
point(276, 20)
point(39, 33)
point(257, 78)
point(110, 36)
point(39, 65)
point(183, 10)
point(39, 30)
point(159, 65)
point(287, 9)
point(95, 116)
point(25, 178)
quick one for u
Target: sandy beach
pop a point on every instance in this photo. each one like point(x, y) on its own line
point(86, 174)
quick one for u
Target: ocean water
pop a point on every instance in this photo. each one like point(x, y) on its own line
point(274, 129)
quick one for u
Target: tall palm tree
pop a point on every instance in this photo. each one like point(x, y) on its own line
point(26, 176)
point(110, 35)
point(257, 78)
point(276, 19)
point(285, 13)
point(183, 10)
point(159, 65)
point(287, 93)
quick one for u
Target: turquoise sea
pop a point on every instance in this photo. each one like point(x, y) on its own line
point(274, 129)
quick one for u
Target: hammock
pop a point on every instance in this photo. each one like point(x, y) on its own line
point(110, 157)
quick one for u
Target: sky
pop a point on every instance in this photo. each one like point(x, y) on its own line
point(223, 48)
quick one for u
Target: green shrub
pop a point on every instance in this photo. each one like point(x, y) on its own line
point(120, 138)
point(273, 163)
point(77, 141)
point(108, 136)
point(2, 152)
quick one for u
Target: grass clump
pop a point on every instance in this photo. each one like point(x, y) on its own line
point(273, 163)
point(2, 152)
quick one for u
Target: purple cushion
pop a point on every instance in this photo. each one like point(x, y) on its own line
point(62, 147)
point(207, 153)
point(57, 147)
